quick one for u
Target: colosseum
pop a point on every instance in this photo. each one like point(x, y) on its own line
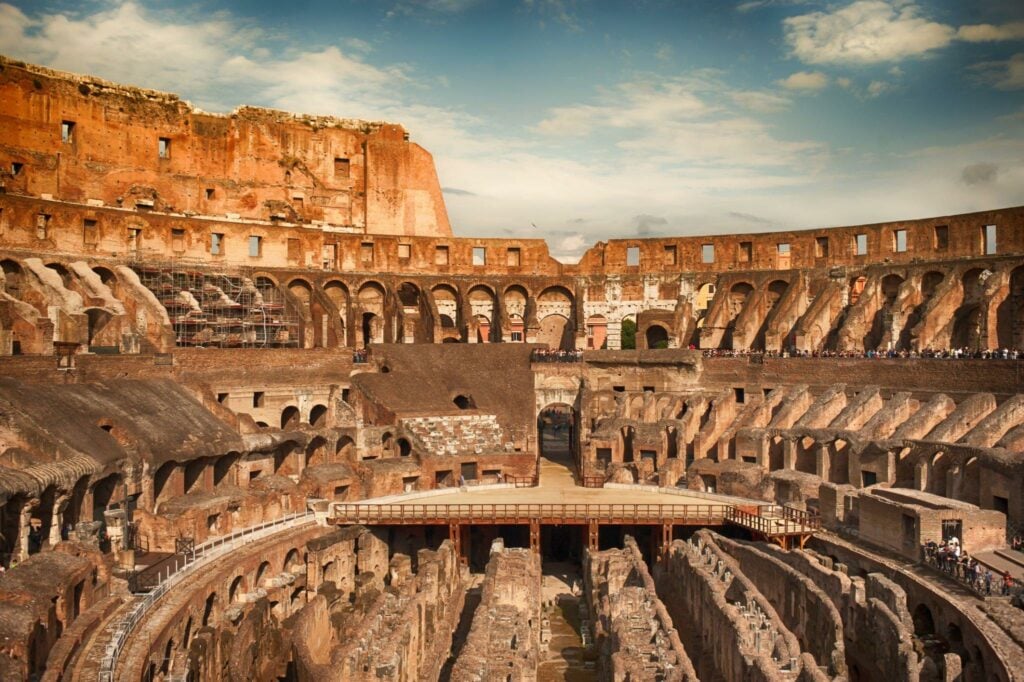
point(264, 417)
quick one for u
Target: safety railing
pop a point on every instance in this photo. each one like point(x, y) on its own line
point(773, 519)
point(525, 513)
point(174, 573)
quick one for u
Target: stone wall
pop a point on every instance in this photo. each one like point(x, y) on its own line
point(634, 634)
point(504, 638)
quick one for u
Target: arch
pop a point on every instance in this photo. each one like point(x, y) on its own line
point(446, 301)
point(657, 336)
point(103, 493)
point(318, 416)
point(404, 447)
point(337, 293)
point(195, 474)
point(924, 623)
point(411, 304)
point(290, 417)
point(161, 479)
point(13, 277)
point(211, 609)
point(387, 444)
point(237, 589)
point(597, 332)
point(107, 277)
point(556, 431)
point(65, 275)
point(556, 332)
point(316, 451)
point(224, 468)
point(372, 329)
point(292, 562)
point(345, 449)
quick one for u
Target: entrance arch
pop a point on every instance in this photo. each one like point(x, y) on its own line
point(556, 434)
point(657, 336)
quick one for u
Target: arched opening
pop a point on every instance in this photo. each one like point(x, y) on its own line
point(739, 293)
point(96, 321)
point(318, 416)
point(555, 312)
point(211, 610)
point(65, 276)
point(657, 336)
point(345, 450)
point(446, 301)
point(627, 435)
point(371, 298)
point(556, 426)
point(464, 402)
point(316, 452)
point(967, 320)
point(262, 573)
point(290, 417)
point(237, 590)
point(924, 624)
point(597, 332)
point(337, 294)
point(293, 563)
point(194, 475)
point(515, 307)
point(404, 447)
point(483, 307)
point(108, 278)
point(13, 279)
point(387, 445)
point(411, 315)
point(224, 471)
point(103, 494)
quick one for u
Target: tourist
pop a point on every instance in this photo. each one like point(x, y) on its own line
point(1007, 583)
point(988, 582)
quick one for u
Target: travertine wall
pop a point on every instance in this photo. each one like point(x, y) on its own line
point(634, 634)
point(504, 639)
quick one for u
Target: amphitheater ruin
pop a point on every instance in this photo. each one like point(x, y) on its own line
point(263, 417)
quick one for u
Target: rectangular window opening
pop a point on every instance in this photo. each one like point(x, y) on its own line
point(740, 394)
point(209, 193)
point(89, 231)
point(16, 168)
point(670, 255)
point(441, 255)
point(221, 397)
point(42, 225)
point(633, 255)
point(341, 167)
point(255, 246)
point(177, 239)
point(366, 252)
point(989, 235)
point(514, 259)
point(941, 237)
point(67, 132)
point(479, 255)
point(216, 243)
point(707, 253)
point(899, 238)
point(821, 247)
point(163, 147)
point(405, 251)
point(745, 254)
point(861, 245)
point(258, 399)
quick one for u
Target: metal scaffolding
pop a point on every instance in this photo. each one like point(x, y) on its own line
point(220, 309)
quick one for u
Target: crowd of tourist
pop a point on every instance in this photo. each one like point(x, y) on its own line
point(946, 354)
point(543, 355)
point(949, 558)
point(360, 356)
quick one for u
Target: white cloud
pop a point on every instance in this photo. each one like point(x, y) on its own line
point(1002, 75)
point(878, 88)
point(865, 32)
point(806, 81)
point(761, 101)
point(983, 33)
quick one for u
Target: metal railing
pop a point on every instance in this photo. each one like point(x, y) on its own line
point(524, 513)
point(173, 574)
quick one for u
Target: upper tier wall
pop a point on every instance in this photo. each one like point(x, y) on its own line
point(82, 139)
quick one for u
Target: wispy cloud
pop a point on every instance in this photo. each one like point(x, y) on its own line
point(1003, 75)
point(805, 81)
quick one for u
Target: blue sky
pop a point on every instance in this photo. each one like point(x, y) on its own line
point(592, 120)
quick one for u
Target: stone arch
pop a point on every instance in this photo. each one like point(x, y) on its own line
point(924, 622)
point(345, 449)
point(464, 401)
point(411, 304)
point(211, 609)
point(1010, 315)
point(806, 455)
point(597, 332)
point(338, 294)
point(316, 452)
point(224, 467)
point(292, 562)
point(107, 276)
point(62, 272)
point(387, 444)
point(238, 588)
point(318, 416)
point(104, 493)
point(372, 297)
point(969, 489)
point(13, 278)
point(555, 309)
point(161, 479)
point(290, 417)
point(404, 447)
point(967, 320)
point(657, 336)
point(483, 305)
point(446, 301)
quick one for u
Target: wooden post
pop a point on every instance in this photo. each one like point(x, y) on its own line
point(535, 536)
point(593, 536)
